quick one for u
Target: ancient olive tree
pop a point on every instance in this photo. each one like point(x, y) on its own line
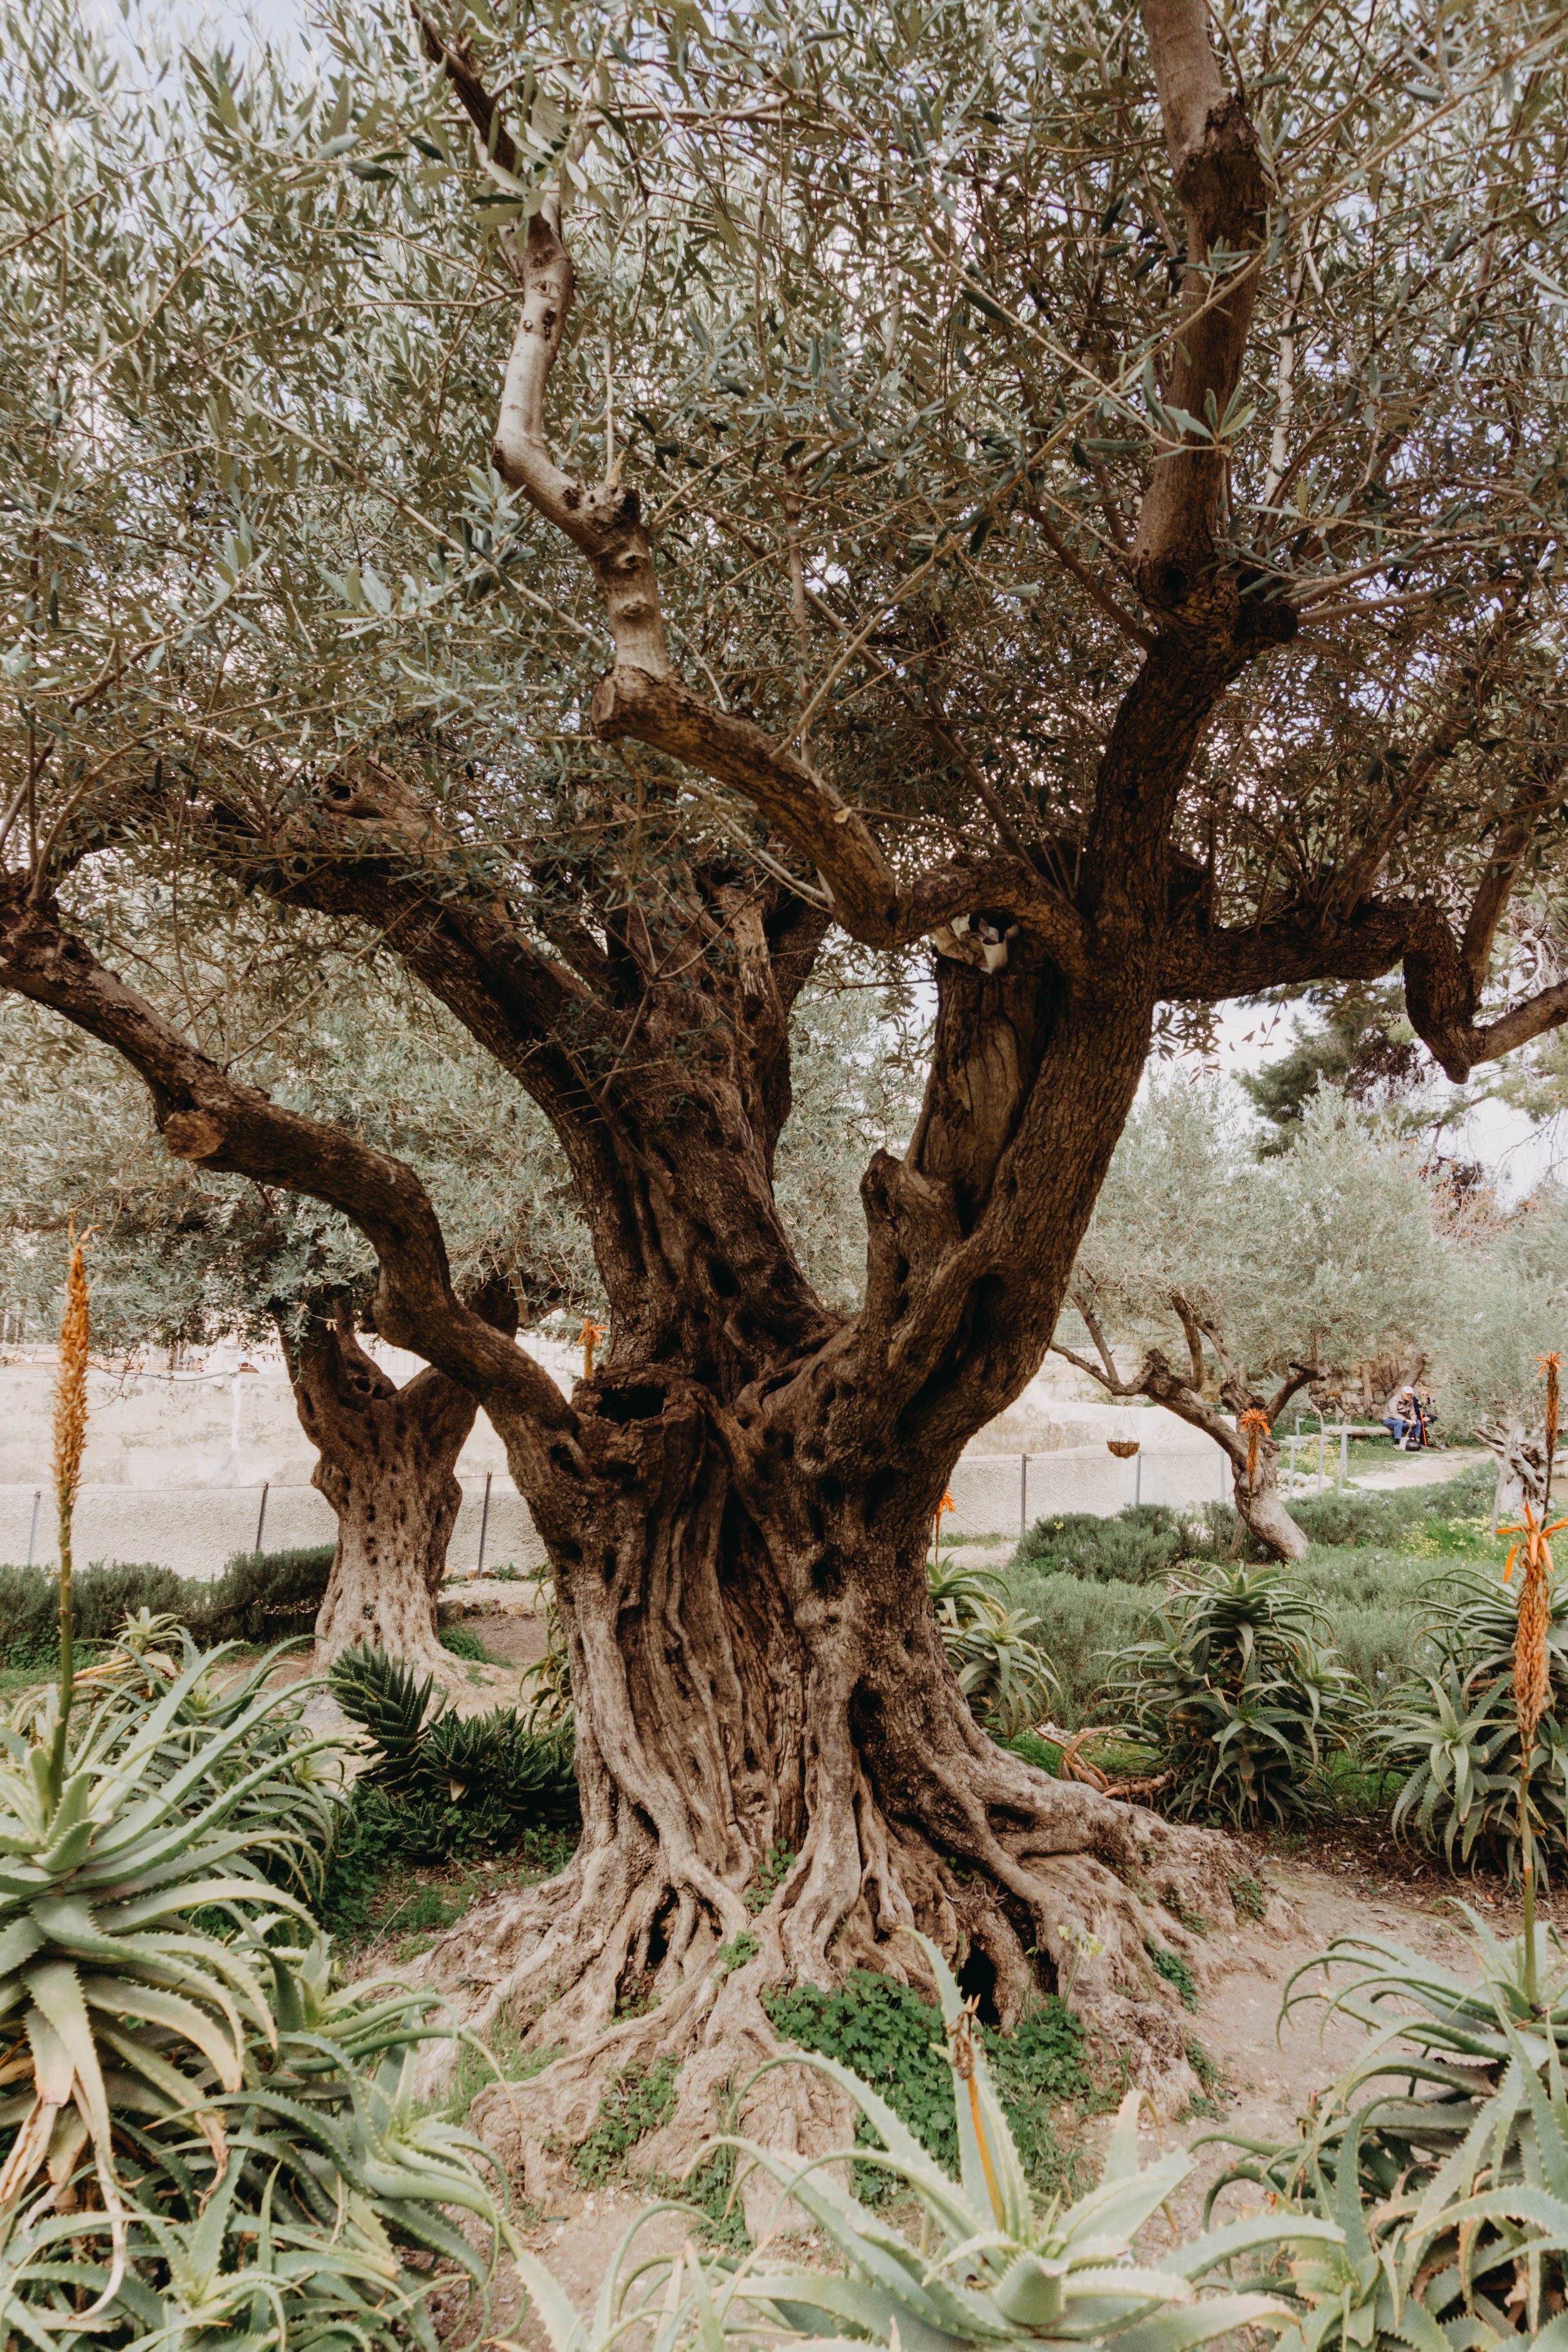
point(615, 505)
point(1258, 1274)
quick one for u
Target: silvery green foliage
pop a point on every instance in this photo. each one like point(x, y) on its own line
point(183, 1253)
point(991, 2269)
point(1505, 1305)
point(917, 270)
point(1336, 1240)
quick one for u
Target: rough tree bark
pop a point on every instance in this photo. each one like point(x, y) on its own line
point(387, 1465)
point(1254, 1470)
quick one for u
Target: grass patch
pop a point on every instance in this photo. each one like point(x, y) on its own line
point(1176, 1971)
point(459, 1642)
point(1249, 1895)
point(1212, 2089)
point(1372, 1567)
point(500, 2058)
point(376, 1886)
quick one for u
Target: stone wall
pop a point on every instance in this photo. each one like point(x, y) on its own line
point(176, 1465)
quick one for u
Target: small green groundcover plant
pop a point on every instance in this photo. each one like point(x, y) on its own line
point(892, 2038)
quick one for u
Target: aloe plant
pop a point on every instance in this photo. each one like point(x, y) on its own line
point(108, 1845)
point(1005, 1675)
point(1441, 2152)
point(1240, 1694)
point(230, 2140)
point(1452, 1736)
point(990, 2268)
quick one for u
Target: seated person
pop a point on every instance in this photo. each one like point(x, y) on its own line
point(1402, 1413)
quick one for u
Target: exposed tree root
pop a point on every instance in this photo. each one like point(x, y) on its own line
point(1059, 1886)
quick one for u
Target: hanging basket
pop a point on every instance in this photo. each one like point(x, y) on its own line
point(1124, 1448)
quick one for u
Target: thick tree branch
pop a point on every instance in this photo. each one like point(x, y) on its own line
point(1295, 1379)
point(1219, 180)
point(799, 803)
point(1515, 834)
point(213, 1121)
point(1194, 1340)
point(1441, 990)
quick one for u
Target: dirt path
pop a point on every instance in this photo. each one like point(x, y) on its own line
point(1429, 1469)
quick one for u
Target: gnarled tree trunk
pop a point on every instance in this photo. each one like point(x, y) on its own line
point(779, 1774)
point(386, 1462)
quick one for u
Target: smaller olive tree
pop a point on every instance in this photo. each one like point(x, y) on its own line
point(1505, 1308)
point(1242, 1279)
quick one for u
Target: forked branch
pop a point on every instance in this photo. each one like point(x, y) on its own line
point(214, 1121)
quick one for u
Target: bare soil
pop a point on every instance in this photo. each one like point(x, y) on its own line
point(1347, 1881)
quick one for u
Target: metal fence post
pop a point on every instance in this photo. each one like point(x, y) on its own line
point(261, 1514)
point(1344, 1456)
point(32, 1537)
point(484, 1523)
point(1138, 1478)
point(1023, 1495)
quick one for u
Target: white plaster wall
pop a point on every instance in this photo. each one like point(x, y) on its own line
point(175, 1465)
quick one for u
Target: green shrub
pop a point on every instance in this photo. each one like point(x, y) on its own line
point(455, 1782)
point(264, 1596)
point(1239, 1694)
point(374, 1839)
point(261, 1596)
point(1079, 1623)
point(893, 2040)
point(1410, 1518)
point(1140, 1545)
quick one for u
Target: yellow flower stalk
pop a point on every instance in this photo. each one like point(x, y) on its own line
point(1254, 1425)
point(70, 1438)
point(1531, 1682)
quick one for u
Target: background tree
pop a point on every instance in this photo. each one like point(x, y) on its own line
point(1257, 1278)
point(1087, 507)
point(1505, 1305)
point(185, 1257)
point(1361, 1044)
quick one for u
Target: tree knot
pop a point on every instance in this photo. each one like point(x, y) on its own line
point(1220, 179)
point(194, 1135)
